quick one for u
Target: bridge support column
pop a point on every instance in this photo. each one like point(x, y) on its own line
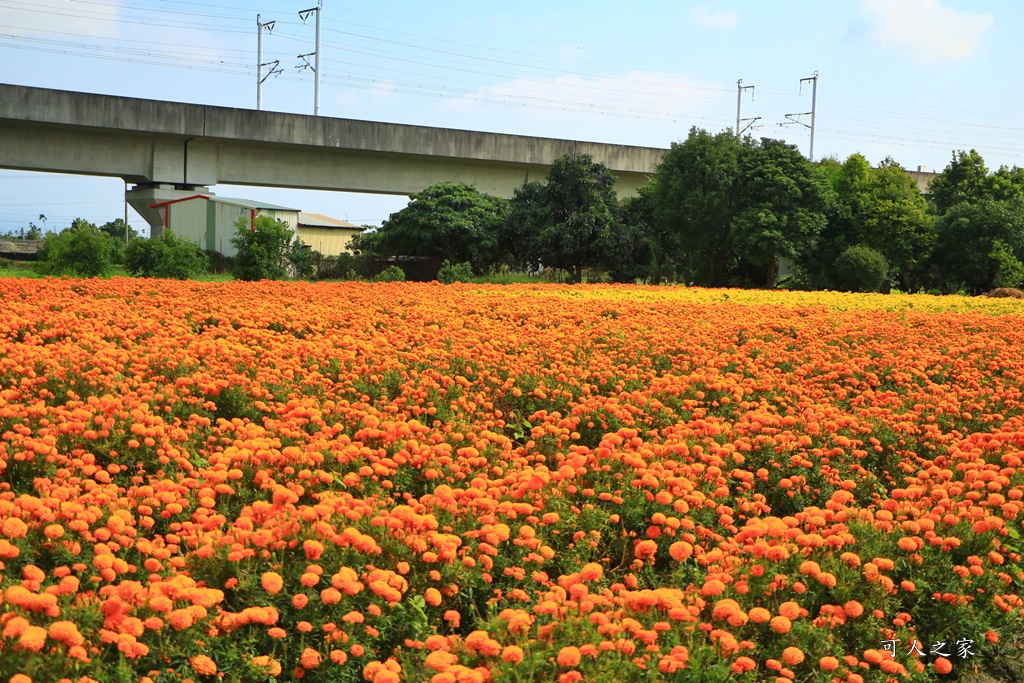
point(143, 196)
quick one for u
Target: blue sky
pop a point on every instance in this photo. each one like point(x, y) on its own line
point(910, 79)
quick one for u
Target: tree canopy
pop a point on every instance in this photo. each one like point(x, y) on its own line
point(574, 216)
point(782, 200)
point(980, 245)
point(694, 202)
point(452, 221)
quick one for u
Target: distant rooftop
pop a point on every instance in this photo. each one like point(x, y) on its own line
point(252, 204)
point(244, 203)
point(318, 220)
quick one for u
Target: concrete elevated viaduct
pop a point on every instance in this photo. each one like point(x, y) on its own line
point(169, 150)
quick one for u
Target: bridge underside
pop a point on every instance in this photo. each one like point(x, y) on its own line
point(172, 149)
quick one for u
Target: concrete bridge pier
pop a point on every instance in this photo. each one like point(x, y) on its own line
point(144, 195)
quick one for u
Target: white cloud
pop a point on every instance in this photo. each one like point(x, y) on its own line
point(702, 16)
point(925, 29)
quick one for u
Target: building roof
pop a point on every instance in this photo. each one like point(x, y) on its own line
point(244, 203)
point(252, 204)
point(317, 220)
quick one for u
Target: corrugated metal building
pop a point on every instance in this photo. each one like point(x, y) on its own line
point(209, 221)
point(329, 236)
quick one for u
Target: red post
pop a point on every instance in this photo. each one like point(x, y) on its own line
point(252, 219)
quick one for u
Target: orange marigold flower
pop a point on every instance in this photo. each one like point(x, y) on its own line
point(743, 664)
point(712, 587)
point(13, 528)
point(790, 610)
point(203, 665)
point(512, 654)
point(66, 632)
point(759, 615)
point(810, 568)
point(33, 638)
point(272, 666)
point(645, 549)
point(828, 663)
point(591, 571)
point(991, 636)
point(792, 656)
point(310, 658)
point(780, 624)
point(440, 660)
point(569, 656)
point(330, 596)
point(942, 665)
point(432, 597)
point(680, 551)
point(313, 549)
point(272, 582)
point(853, 609)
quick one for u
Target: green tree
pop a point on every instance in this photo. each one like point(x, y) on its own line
point(116, 229)
point(781, 206)
point(980, 245)
point(899, 225)
point(1007, 183)
point(451, 273)
point(81, 250)
point(34, 233)
point(880, 208)
point(518, 233)
point(169, 256)
point(390, 274)
point(694, 202)
point(261, 250)
point(574, 215)
point(447, 220)
point(965, 179)
point(303, 258)
point(860, 269)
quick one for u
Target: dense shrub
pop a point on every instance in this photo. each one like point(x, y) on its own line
point(860, 269)
point(219, 263)
point(460, 272)
point(390, 274)
point(81, 250)
point(337, 267)
point(262, 250)
point(170, 257)
point(303, 259)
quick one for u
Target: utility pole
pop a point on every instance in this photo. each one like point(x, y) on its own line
point(304, 14)
point(814, 109)
point(739, 107)
point(269, 25)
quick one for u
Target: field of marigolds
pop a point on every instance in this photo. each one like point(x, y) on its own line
point(462, 484)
